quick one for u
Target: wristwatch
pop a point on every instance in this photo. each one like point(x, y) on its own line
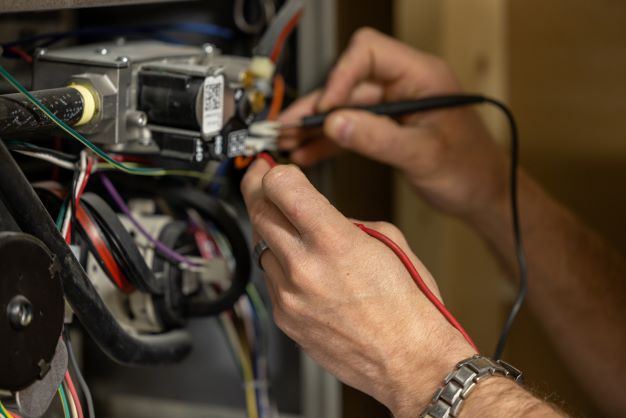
point(461, 382)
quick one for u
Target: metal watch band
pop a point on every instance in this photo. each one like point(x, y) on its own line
point(458, 385)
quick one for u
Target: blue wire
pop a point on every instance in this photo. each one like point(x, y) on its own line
point(207, 29)
point(202, 29)
point(255, 355)
point(220, 173)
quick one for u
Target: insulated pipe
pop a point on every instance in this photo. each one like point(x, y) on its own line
point(32, 217)
point(74, 105)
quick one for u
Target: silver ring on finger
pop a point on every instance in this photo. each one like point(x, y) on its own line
point(259, 249)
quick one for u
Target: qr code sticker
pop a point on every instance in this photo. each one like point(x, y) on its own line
point(213, 108)
point(213, 96)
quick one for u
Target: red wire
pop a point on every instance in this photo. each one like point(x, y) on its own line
point(267, 158)
point(103, 251)
point(22, 54)
point(282, 38)
point(100, 246)
point(68, 235)
point(13, 414)
point(418, 280)
point(408, 264)
point(81, 189)
point(74, 394)
point(85, 181)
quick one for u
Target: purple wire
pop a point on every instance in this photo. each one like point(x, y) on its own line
point(160, 247)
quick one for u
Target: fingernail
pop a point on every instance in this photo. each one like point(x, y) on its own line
point(341, 129)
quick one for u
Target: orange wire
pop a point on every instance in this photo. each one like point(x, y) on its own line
point(279, 95)
point(282, 38)
point(242, 162)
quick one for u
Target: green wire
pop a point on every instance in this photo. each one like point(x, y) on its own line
point(61, 215)
point(259, 306)
point(3, 410)
point(66, 410)
point(145, 171)
point(231, 349)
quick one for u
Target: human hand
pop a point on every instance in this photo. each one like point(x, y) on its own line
point(345, 297)
point(447, 155)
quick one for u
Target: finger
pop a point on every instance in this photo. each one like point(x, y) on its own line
point(266, 219)
point(292, 138)
point(269, 263)
point(368, 58)
point(275, 278)
point(314, 151)
point(306, 209)
point(304, 106)
point(308, 146)
point(381, 138)
point(366, 93)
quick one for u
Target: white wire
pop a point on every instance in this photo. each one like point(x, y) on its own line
point(83, 173)
point(79, 182)
point(49, 158)
point(70, 401)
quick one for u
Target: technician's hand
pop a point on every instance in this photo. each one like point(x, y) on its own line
point(345, 297)
point(447, 155)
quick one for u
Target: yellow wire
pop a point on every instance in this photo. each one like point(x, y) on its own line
point(179, 173)
point(246, 366)
point(4, 411)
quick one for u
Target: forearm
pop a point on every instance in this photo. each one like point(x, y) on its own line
point(577, 286)
point(501, 397)
point(493, 397)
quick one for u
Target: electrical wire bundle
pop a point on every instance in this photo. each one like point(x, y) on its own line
point(71, 405)
point(245, 327)
point(246, 324)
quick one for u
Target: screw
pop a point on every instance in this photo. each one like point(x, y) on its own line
point(122, 59)
point(102, 51)
point(137, 118)
point(41, 51)
point(208, 49)
point(20, 312)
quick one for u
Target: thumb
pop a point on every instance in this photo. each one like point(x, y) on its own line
point(377, 137)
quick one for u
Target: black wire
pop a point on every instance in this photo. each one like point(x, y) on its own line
point(517, 231)
point(72, 197)
point(79, 376)
point(27, 146)
point(448, 101)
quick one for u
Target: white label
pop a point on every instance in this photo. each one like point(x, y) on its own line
point(213, 108)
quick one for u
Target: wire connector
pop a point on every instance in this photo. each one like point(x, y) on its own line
point(262, 68)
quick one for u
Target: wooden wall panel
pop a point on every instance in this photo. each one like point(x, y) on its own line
point(464, 267)
point(562, 66)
